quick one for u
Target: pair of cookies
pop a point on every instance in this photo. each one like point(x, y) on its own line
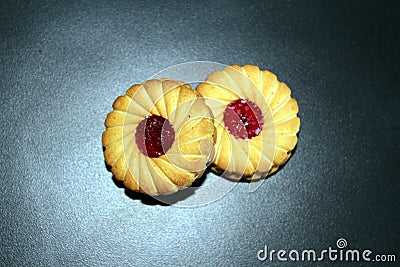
point(162, 134)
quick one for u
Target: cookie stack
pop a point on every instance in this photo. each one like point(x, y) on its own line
point(162, 134)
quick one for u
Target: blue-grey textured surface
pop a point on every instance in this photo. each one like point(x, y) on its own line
point(63, 63)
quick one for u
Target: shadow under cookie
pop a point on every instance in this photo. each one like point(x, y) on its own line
point(162, 200)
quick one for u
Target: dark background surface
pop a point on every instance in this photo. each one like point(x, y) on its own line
point(63, 64)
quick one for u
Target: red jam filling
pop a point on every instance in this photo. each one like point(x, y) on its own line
point(243, 119)
point(154, 136)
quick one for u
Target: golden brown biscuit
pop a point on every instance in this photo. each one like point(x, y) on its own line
point(256, 121)
point(159, 137)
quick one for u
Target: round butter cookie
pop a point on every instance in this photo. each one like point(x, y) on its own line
point(256, 121)
point(159, 138)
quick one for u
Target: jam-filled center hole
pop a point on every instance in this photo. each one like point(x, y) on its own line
point(243, 119)
point(154, 136)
